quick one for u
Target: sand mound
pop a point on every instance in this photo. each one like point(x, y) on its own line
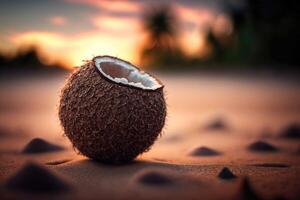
point(154, 178)
point(34, 178)
point(291, 132)
point(261, 146)
point(38, 145)
point(204, 151)
point(216, 124)
point(226, 174)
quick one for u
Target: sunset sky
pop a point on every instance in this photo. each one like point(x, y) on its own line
point(70, 31)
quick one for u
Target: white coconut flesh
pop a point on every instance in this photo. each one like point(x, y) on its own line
point(119, 71)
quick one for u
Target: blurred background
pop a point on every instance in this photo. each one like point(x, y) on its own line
point(169, 35)
point(225, 60)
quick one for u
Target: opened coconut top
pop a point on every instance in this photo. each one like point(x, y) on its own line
point(120, 71)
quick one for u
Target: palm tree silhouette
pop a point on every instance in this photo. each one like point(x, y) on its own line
point(160, 24)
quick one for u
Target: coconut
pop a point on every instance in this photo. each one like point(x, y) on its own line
point(111, 110)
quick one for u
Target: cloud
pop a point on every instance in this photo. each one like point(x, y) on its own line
point(112, 6)
point(114, 17)
point(116, 25)
point(58, 20)
point(125, 9)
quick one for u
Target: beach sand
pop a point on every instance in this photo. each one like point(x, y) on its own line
point(214, 121)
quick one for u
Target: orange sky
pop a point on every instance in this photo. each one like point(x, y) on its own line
point(115, 30)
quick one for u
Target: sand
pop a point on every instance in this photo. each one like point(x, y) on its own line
point(248, 121)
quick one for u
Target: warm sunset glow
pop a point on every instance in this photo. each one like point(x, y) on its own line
point(115, 29)
point(117, 24)
point(57, 20)
point(72, 51)
point(223, 25)
point(50, 44)
point(195, 21)
point(92, 44)
point(128, 6)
